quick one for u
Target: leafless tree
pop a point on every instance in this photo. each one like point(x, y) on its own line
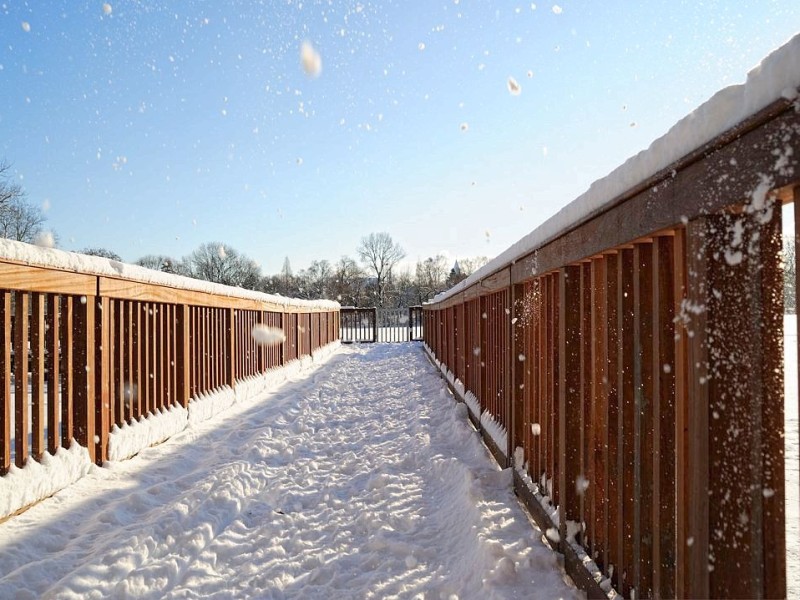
point(167, 264)
point(19, 220)
point(314, 282)
point(102, 252)
point(222, 264)
point(431, 276)
point(380, 254)
point(347, 286)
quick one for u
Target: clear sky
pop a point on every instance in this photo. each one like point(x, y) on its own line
point(151, 127)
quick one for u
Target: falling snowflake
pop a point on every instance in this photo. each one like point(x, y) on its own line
point(310, 59)
point(421, 46)
point(557, 9)
point(464, 126)
point(267, 336)
point(26, 27)
point(45, 239)
point(513, 87)
point(536, 429)
point(107, 9)
point(221, 252)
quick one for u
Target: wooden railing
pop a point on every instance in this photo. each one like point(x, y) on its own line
point(83, 352)
point(635, 361)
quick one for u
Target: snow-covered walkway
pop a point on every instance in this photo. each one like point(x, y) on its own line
point(360, 480)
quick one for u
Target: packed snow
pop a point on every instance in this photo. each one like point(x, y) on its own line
point(361, 479)
point(777, 77)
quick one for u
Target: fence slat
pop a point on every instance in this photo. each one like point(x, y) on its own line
point(22, 421)
point(52, 377)
point(6, 401)
point(38, 402)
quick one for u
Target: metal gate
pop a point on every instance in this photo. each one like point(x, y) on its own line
point(381, 324)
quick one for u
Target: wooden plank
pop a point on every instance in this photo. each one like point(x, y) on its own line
point(38, 279)
point(6, 399)
point(149, 292)
point(22, 420)
point(613, 483)
point(230, 350)
point(101, 372)
point(598, 528)
point(113, 375)
point(38, 406)
point(570, 401)
point(628, 428)
point(586, 439)
point(85, 347)
point(696, 458)
point(645, 355)
point(52, 376)
point(67, 371)
point(147, 364)
point(183, 356)
point(669, 289)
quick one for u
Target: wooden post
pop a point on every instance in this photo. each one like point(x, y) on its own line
point(375, 326)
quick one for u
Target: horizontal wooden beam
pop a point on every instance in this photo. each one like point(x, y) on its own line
point(38, 279)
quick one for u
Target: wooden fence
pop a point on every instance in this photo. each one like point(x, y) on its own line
point(381, 324)
point(80, 353)
point(636, 363)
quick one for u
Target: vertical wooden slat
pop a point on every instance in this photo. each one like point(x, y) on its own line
point(183, 355)
point(612, 440)
point(84, 376)
point(100, 369)
point(697, 465)
point(599, 481)
point(38, 407)
point(682, 390)
point(569, 395)
point(53, 373)
point(587, 382)
point(231, 349)
point(644, 355)
point(6, 399)
point(67, 370)
point(113, 374)
point(21, 378)
point(628, 415)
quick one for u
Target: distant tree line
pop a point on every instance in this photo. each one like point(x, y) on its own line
point(373, 279)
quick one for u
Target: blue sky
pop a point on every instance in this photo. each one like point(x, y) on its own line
point(163, 125)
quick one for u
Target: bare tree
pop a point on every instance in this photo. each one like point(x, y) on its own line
point(8, 191)
point(19, 220)
point(314, 282)
point(167, 264)
point(380, 253)
point(102, 252)
point(222, 264)
point(431, 275)
point(347, 284)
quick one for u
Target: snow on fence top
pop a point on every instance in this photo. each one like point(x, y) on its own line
point(61, 260)
point(778, 76)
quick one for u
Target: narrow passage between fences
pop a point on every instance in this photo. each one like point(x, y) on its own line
point(361, 478)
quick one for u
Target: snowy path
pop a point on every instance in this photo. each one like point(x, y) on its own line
point(361, 480)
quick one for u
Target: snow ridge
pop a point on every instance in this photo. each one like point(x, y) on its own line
point(150, 429)
point(496, 431)
point(777, 77)
point(39, 479)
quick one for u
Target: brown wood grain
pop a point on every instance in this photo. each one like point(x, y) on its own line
point(38, 368)
point(21, 362)
point(6, 399)
point(52, 377)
